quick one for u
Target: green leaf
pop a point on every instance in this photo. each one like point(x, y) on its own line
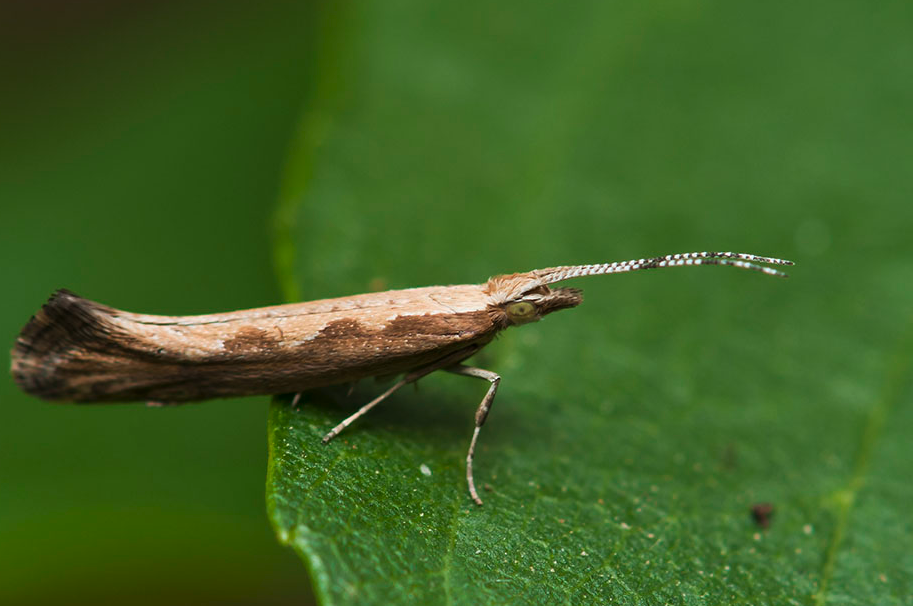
point(632, 435)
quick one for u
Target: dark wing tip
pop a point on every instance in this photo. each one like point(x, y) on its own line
point(66, 322)
point(63, 312)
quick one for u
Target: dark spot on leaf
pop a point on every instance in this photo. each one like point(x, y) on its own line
point(762, 513)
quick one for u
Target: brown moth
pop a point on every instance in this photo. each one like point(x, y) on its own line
point(76, 350)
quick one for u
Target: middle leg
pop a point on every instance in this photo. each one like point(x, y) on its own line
point(481, 415)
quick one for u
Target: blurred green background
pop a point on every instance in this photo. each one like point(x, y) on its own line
point(140, 159)
point(144, 146)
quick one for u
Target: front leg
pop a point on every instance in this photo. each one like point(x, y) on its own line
point(481, 415)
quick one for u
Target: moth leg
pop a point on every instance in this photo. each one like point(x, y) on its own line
point(413, 376)
point(296, 399)
point(481, 415)
point(349, 420)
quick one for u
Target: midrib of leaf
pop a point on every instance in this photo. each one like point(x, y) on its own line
point(898, 373)
point(448, 561)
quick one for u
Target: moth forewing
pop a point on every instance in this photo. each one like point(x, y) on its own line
point(108, 355)
point(77, 350)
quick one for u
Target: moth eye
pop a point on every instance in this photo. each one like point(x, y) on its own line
point(521, 312)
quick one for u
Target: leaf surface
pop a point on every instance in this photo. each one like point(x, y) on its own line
point(631, 436)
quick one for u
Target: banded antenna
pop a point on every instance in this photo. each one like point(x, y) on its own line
point(740, 260)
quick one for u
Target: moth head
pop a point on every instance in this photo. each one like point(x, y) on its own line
point(522, 298)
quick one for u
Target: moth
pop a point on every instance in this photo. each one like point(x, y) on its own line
point(76, 350)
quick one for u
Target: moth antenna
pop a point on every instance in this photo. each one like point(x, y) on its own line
point(740, 260)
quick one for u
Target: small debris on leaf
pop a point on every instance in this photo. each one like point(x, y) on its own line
point(762, 513)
